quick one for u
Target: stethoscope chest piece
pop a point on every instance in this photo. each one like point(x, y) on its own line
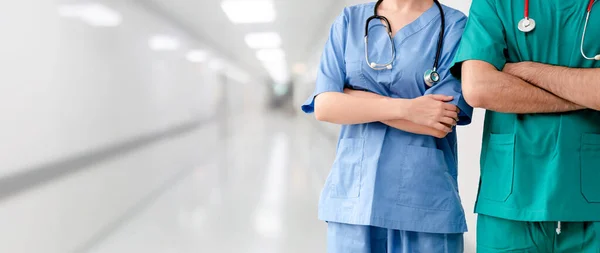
point(431, 77)
point(526, 25)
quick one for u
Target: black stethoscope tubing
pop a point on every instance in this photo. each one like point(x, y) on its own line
point(431, 76)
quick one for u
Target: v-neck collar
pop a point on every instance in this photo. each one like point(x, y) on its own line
point(412, 27)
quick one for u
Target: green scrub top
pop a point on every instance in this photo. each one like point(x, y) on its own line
point(536, 167)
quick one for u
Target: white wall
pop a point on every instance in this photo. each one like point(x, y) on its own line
point(469, 137)
point(75, 88)
point(68, 88)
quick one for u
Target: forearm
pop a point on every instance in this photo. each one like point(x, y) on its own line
point(404, 125)
point(501, 92)
point(581, 86)
point(340, 108)
point(408, 126)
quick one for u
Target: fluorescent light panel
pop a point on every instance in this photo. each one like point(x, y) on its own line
point(93, 14)
point(216, 64)
point(197, 56)
point(249, 11)
point(270, 55)
point(299, 68)
point(163, 43)
point(275, 63)
point(263, 40)
point(238, 75)
point(278, 71)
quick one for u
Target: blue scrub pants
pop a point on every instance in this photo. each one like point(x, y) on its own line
point(345, 238)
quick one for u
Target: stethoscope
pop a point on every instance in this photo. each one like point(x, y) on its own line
point(527, 24)
point(431, 76)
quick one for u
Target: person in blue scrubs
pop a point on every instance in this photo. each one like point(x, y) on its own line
point(393, 185)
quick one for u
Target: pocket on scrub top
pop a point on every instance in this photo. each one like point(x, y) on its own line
point(425, 182)
point(590, 167)
point(345, 176)
point(498, 168)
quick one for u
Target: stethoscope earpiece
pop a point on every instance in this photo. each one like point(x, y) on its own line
point(597, 58)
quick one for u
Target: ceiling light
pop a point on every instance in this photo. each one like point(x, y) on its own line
point(70, 10)
point(275, 63)
point(238, 75)
point(278, 71)
point(299, 69)
point(163, 43)
point(270, 55)
point(216, 64)
point(93, 14)
point(249, 11)
point(197, 56)
point(263, 40)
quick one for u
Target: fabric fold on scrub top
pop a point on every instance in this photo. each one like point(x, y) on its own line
point(382, 176)
point(536, 167)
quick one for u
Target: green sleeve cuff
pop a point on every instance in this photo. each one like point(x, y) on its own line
point(476, 54)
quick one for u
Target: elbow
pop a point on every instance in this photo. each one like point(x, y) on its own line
point(320, 115)
point(473, 93)
point(476, 76)
point(321, 112)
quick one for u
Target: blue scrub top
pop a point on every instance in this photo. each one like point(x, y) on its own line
point(383, 176)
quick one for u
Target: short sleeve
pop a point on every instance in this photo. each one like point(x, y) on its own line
point(331, 74)
point(483, 38)
point(449, 85)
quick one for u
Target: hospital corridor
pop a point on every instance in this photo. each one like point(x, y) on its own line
point(172, 126)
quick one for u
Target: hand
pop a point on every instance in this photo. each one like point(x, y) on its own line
point(434, 112)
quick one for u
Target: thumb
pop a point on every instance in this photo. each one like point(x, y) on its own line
point(442, 98)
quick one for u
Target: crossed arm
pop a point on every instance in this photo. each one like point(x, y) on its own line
point(530, 87)
point(580, 86)
point(401, 124)
point(426, 115)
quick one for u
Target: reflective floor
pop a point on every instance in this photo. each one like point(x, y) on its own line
point(258, 195)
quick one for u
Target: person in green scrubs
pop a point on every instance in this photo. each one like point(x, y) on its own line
point(540, 162)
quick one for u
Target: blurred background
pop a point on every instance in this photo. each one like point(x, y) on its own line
point(169, 126)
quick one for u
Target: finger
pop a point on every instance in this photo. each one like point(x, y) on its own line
point(451, 114)
point(458, 112)
point(448, 121)
point(442, 98)
point(450, 107)
point(457, 118)
point(442, 127)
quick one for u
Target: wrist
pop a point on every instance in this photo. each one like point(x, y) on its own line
point(524, 70)
point(400, 107)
